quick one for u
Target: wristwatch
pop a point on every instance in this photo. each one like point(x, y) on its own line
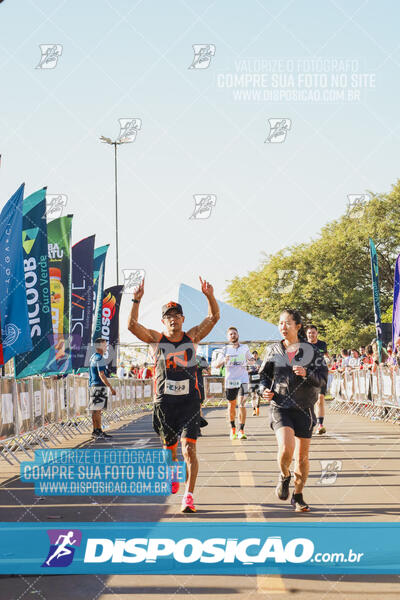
point(135, 301)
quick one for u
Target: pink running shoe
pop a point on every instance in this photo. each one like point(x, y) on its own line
point(187, 504)
point(174, 487)
point(174, 483)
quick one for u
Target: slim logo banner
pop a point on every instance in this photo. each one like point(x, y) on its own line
point(206, 548)
point(110, 322)
point(81, 300)
point(375, 290)
point(396, 302)
point(37, 284)
point(15, 328)
point(59, 253)
point(99, 268)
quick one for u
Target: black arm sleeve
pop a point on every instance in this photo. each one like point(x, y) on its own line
point(267, 371)
point(317, 371)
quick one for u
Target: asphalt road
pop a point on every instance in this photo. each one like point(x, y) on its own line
point(236, 483)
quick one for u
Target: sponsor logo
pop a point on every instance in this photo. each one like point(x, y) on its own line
point(132, 279)
point(128, 129)
point(28, 238)
point(55, 252)
point(190, 550)
point(174, 360)
point(203, 205)
point(329, 471)
point(10, 333)
point(55, 203)
point(356, 204)
point(32, 294)
point(62, 547)
point(286, 280)
point(50, 55)
point(203, 54)
point(278, 129)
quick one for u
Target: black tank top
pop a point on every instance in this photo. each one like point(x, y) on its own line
point(176, 370)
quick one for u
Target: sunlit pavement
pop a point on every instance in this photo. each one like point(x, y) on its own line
point(236, 483)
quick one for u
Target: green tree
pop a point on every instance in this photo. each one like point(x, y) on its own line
point(329, 279)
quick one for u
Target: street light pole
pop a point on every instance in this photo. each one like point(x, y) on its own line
point(116, 209)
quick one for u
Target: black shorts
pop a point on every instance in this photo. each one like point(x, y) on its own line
point(174, 419)
point(323, 390)
point(302, 421)
point(233, 393)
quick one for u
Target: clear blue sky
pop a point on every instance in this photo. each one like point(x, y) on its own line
point(130, 59)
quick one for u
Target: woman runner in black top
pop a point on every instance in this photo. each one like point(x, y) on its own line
point(292, 374)
point(177, 400)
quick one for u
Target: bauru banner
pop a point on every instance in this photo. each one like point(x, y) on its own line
point(37, 285)
point(59, 254)
point(81, 300)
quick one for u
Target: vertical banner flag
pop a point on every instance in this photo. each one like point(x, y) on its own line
point(396, 302)
point(81, 300)
point(110, 323)
point(99, 267)
point(15, 329)
point(375, 290)
point(1, 349)
point(59, 253)
point(37, 284)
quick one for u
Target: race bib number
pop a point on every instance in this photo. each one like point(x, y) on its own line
point(255, 377)
point(177, 388)
point(232, 383)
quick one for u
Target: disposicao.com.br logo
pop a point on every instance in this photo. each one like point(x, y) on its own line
point(62, 547)
point(248, 551)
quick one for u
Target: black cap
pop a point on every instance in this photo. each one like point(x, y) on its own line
point(169, 306)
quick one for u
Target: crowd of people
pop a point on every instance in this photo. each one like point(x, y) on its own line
point(365, 357)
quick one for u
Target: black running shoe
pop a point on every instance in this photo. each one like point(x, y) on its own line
point(282, 489)
point(96, 432)
point(297, 501)
point(203, 422)
point(103, 434)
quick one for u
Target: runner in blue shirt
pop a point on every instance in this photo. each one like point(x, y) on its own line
point(98, 384)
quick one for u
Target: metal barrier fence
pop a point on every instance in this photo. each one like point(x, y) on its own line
point(373, 395)
point(38, 411)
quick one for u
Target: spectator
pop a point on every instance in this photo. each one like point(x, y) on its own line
point(397, 351)
point(121, 373)
point(391, 359)
point(354, 360)
point(344, 360)
point(132, 371)
point(145, 372)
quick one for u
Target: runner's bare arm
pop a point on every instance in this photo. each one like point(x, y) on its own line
point(104, 379)
point(145, 335)
point(218, 361)
point(199, 332)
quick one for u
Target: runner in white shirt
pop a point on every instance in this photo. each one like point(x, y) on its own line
point(235, 357)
